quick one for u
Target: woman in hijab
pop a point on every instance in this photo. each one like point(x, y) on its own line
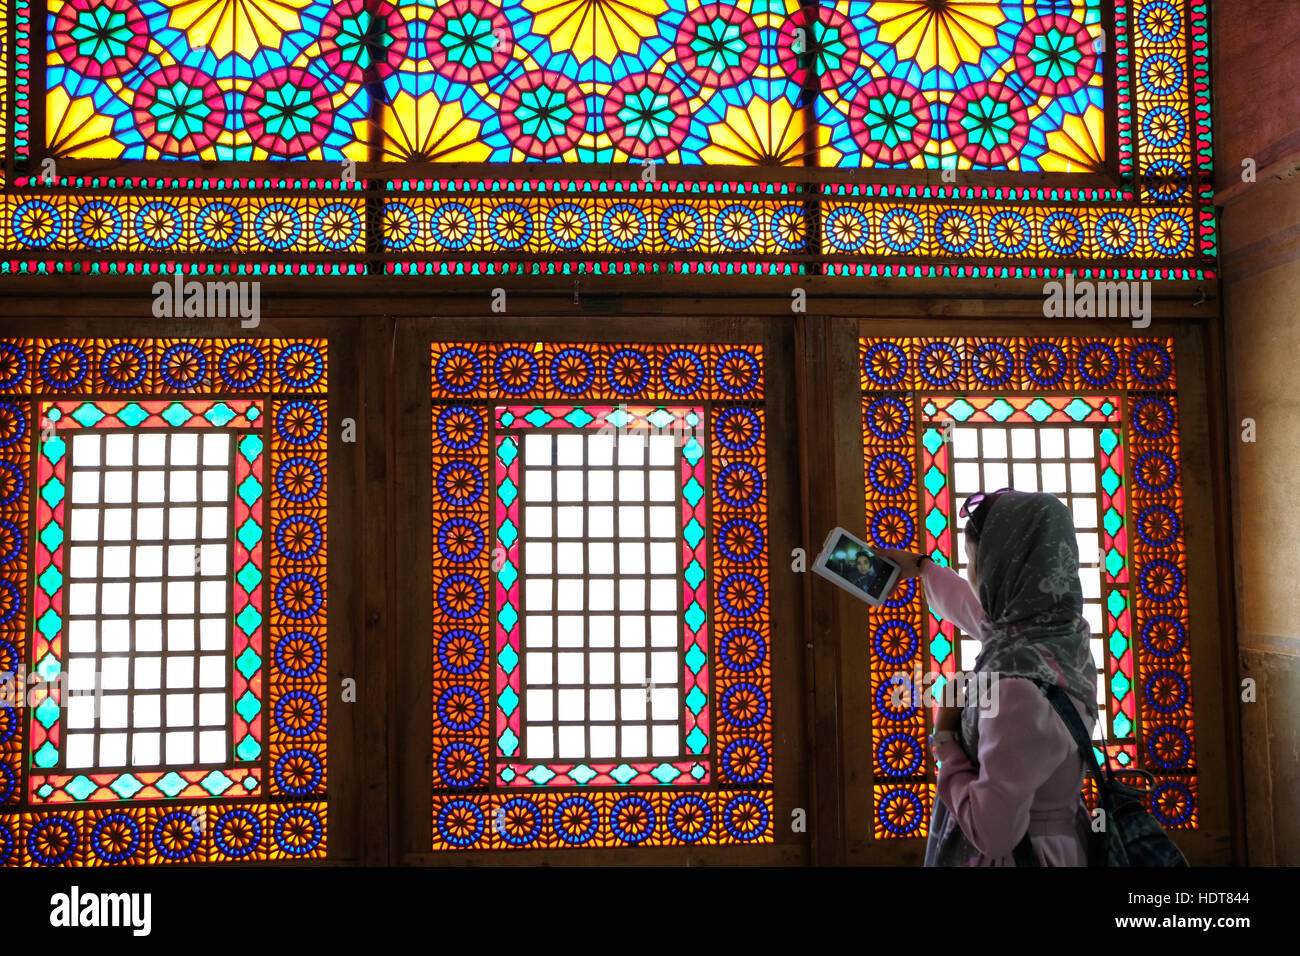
point(1011, 767)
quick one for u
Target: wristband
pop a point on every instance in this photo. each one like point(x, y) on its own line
point(942, 737)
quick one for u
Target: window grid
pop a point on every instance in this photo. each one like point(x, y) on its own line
point(640, 693)
point(52, 779)
point(684, 426)
point(185, 530)
point(1026, 457)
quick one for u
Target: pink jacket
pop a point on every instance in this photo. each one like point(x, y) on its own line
point(1030, 773)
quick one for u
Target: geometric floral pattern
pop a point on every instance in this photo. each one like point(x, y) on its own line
point(903, 82)
point(6, 53)
point(959, 84)
point(1126, 386)
point(267, 803)
point(179, 79)
point(1117, 110)
point(242, 778)
point(483, 796)
point(626, 228)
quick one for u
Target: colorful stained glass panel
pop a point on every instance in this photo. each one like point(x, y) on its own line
point(1093, 421)
point(600, 588)
point(172, 542)
point(961, 84)
point(1116, 92)
point(144, 603)
point(599, 500)
point(187, 80)
point(966, 83)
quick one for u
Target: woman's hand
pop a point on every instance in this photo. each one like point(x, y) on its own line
point(908, 561)
point(948, 718)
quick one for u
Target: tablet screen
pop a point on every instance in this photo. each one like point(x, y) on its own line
point(858, 567)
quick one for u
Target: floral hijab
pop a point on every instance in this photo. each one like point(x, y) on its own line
point(1028, 564)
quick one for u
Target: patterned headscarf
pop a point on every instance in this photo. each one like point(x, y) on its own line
point(1027, 561)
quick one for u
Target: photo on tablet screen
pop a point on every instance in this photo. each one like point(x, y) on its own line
point(850, 561)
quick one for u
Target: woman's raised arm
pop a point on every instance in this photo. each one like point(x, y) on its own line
point(951, 598)
point(946, 591)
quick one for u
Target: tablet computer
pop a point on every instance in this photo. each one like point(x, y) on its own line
point(848, 563)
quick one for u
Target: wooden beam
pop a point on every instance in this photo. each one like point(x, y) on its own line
point(112, 297)
point(375, 573)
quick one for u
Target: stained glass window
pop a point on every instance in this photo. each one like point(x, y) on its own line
point(164, 600)
point(1032, 457)
point(997, 85)
point(705, 138)
point(188, 79)
point(961, 84)
point(1093, 421)
point(601, 631)
point(598, 519)
point(147, 574)
point(6, 52)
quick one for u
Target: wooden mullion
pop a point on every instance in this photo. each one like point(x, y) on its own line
point(373, 468)
point(822, 624)
point(1219, 374)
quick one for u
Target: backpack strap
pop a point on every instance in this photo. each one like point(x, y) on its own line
point(1098, 852)
point(1024, 854)
point(1082, 739)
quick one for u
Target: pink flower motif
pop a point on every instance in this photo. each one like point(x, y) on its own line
point(468, 41)
point(890, 119)
point(646, 115)
point(543, 113)
point(100, 38)
point(287, 112)
point(358, 33)
point(179, 111)
point(829, 39)
point(718, 45)
point(1055, 55)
